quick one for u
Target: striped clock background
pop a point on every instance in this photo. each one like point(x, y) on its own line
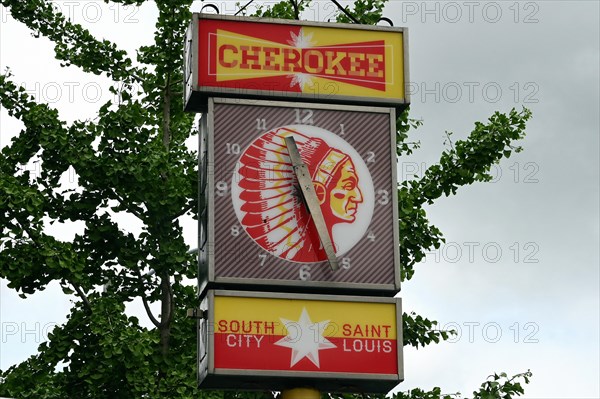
point(372, 261)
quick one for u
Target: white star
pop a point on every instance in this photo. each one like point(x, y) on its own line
point(305, 338)
point(301, 80)
point(301, 40)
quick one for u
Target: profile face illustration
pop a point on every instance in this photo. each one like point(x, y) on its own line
point(346, 196)
point(269, 204)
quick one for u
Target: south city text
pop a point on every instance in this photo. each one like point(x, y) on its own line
point(376, 338)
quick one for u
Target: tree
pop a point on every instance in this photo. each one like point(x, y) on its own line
point(132, 158)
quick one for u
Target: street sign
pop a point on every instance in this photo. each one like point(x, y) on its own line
point(254, 340)
point(301, 61)
point(257, 229)
point(297, 198)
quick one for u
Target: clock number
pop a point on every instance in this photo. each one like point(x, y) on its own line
point(222, 188)
point(261, 124)
point(235, 231)
point(233, 148)
point(370, 157)
point(263, 259)
point(383, 197)
point(304, 116)
point(305, 273)
point(371, 236)
point(346, 263)
point(342, 132)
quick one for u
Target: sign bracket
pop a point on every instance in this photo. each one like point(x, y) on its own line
point(296, 7)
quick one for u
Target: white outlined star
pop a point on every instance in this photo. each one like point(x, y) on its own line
point(301, 40)
point(305, 338)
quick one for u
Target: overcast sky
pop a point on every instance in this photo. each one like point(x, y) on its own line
point(519, 274)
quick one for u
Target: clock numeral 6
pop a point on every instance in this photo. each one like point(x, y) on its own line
point(383, 197)
point(222, 188)
point(305, 273)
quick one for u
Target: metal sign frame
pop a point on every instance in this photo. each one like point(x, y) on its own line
point(210, 377)
point(195, 96)
point(210, 275)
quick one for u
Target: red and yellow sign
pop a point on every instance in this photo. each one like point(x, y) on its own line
point(305, 335)
point(317, 61)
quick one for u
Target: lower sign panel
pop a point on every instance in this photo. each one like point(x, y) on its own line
point(271, 341)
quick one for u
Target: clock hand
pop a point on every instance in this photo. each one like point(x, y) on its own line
point(311, 201)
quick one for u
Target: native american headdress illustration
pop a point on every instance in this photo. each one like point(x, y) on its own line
point(272, 207)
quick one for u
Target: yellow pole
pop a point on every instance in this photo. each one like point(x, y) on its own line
point(301, 393)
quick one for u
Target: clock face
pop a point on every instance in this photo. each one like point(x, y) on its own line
point(259, 228)
point(269, 204)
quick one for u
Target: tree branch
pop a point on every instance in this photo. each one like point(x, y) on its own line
point(177, 83)
point(149, 311)
point(153, 319)
point(166, 316)
point(182, 212)
point(137, 211)
point(74, 44)
point(77, 287)
point(167, 114)
point(81, 294)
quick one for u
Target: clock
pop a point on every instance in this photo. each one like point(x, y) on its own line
point(273, 203)
point(298, 195)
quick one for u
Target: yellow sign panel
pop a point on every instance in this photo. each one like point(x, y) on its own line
point(298, 334)
point(345, 319)
point(313, 60)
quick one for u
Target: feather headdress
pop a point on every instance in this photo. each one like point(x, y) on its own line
point(273, 211)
